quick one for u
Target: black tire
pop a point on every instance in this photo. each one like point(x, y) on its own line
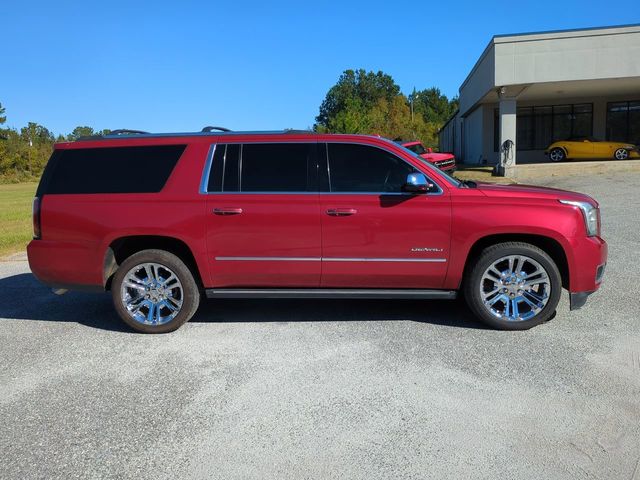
point(557, 155)
point(621, 154)
point(489, 256)
point(190, 293)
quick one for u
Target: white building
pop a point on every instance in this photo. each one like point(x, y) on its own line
point(537, 88)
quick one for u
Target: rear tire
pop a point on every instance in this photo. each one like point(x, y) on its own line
point(153, 291)
point(557, 155)
point(513, 286)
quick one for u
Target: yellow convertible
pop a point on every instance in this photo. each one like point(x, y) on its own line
point(587, 147)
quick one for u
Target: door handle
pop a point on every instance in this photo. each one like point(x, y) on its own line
point(341, 212)
point(227, 211)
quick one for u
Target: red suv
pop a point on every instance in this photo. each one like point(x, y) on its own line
point(444, 161)
point(160, 220)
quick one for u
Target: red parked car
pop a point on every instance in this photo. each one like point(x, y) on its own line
point(444, 161)
point(160, 220)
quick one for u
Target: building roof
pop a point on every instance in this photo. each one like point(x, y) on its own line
point(551, 35)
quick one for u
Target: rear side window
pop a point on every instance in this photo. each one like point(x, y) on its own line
point(110, 170)
point(263, 167)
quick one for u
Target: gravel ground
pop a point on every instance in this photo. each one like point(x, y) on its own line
point(327, 389)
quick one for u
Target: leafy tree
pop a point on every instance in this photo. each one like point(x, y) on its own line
point(80, 132)
point(434, 106)
point(371, 103)
point(3, 118)
point(356, 92)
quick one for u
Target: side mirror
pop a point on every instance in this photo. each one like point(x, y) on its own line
point(417, 183)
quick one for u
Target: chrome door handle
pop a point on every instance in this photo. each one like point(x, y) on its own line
point(341, 212)
point(227, 211)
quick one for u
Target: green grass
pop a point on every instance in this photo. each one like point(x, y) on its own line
point(15, 216)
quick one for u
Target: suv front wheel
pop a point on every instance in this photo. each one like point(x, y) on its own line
point(513, 286)
point(154, 291)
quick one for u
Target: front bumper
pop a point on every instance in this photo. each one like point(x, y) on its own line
point(587, 269)
point(578, 299)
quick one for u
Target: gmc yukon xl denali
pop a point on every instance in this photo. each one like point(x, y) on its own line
point(162, 220)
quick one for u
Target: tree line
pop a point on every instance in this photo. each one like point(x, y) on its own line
point(372, 103)
point(24, 152)
point(360, 102)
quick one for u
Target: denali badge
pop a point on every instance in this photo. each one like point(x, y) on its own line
point(425, 249)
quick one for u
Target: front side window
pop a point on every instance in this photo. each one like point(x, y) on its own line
point(361, 168)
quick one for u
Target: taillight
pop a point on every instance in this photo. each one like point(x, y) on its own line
point(36, 218)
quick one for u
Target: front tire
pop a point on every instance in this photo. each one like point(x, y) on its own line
point(621, 154)
point(557, 155)
point(153, 291)
point(513, 286)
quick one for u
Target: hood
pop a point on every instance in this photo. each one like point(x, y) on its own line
point(532, 191)
point(437, 157)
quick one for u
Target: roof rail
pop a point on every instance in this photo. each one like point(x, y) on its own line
point(125, 131)
point(211, 129)
point(296, 130)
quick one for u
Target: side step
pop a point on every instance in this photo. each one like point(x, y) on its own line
point(331, 293)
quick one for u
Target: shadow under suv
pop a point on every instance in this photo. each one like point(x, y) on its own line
point(161, 220)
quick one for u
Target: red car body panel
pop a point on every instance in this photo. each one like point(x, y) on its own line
point(378, 231)
point(439, 230)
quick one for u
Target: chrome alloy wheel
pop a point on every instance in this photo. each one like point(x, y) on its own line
point(152, 294)
point(515, 288)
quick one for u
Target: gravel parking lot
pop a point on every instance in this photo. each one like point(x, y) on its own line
point(327, 389)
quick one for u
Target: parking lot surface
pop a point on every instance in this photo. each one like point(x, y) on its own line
point(328, 389)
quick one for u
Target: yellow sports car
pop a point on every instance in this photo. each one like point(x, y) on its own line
point(587, 147)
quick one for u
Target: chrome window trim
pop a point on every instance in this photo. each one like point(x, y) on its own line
point(330, 259)
point(204, 183)
point(209, 163)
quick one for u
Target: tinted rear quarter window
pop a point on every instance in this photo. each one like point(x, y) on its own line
point(110, 170)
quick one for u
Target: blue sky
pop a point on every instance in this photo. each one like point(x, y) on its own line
point(180, 65)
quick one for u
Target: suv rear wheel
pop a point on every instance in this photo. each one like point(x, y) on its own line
point(513, 286)
point(154, 291)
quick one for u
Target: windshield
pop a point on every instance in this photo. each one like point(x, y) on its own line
point(416, 148)
point(449, 178)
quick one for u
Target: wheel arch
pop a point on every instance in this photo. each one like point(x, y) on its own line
point(549, 245)
point(123, 247)
point(563, 148)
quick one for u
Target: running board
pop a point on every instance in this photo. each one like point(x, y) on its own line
point(331, 293)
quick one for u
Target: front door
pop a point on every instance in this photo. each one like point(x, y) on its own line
point(263, 223)
point(373, 234)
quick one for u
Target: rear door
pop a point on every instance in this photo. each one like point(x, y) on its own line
point(263, 223)
point(373, 234)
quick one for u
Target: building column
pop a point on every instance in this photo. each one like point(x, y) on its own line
point(507, 147)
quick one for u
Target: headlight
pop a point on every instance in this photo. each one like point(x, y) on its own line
point(591, 216)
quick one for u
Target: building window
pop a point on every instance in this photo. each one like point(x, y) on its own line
point(623, 122)
point(539, 127)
